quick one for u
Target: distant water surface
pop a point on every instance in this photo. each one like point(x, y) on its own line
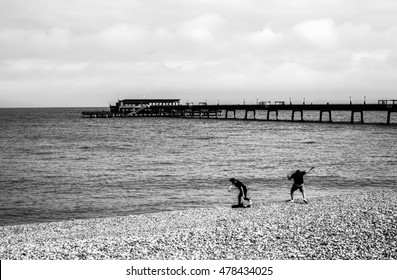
point(55, 165)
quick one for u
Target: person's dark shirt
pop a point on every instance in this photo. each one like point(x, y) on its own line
point(298, 177)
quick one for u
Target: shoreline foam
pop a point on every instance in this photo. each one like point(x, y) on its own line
point(356, 226)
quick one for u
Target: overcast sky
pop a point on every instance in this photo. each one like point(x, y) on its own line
point(93, 52)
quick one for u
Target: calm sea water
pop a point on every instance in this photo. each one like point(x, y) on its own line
point(55, 165)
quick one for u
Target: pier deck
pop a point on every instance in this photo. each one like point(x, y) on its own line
point(249, 111)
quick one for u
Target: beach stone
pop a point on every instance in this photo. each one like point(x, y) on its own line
point(356, 226)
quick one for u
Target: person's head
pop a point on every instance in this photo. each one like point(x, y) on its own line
point(232, 180)
point(298, 171)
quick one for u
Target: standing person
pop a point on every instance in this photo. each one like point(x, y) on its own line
point(243, 191)
point(298, 183)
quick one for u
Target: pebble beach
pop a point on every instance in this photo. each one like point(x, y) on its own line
point(353, 226)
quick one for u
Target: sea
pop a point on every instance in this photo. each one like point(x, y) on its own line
point(56, 165)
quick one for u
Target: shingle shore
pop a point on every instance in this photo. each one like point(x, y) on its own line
point(359, 226)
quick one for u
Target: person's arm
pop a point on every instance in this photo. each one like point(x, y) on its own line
point(230, 187)
point(311, 168)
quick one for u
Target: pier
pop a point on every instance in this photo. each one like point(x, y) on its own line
point(173, 108)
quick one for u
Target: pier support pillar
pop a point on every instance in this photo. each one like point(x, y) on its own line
point(329, 114)
point(246, 113)
point(388, 115)
point(293, 114)
point(362, 116)
point(234, 113)
point(268, 114)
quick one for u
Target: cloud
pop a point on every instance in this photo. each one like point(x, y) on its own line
point(202, 29)
point(217, 48)
point(124, 37)
point(32, 42)
point(264, 38)
point(320, 33)
point(33, 65)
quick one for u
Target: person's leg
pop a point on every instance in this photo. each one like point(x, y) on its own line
point(246, 197)
point(292, 193)
point(240, 195)
point(246, 194)
point(302, 190)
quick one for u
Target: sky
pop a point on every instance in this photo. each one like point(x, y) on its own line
point(79, 53)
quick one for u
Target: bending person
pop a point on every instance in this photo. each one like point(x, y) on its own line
point(242, 188)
